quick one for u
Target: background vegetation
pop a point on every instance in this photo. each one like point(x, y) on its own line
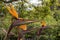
point(49, 10)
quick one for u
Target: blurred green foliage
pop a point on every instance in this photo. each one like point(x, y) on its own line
point(49, 11)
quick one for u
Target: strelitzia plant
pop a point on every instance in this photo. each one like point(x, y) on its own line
point(20, 23)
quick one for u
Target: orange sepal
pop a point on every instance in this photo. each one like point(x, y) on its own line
point(12, 12)
point(43, 23)
point(23, 27)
